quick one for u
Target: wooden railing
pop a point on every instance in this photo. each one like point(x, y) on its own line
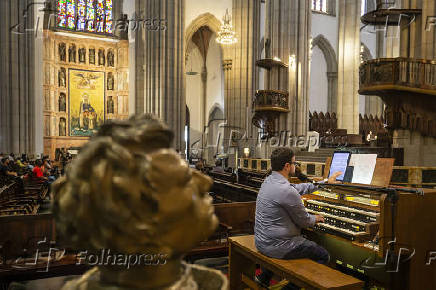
point(271, 100)
point(398, 74)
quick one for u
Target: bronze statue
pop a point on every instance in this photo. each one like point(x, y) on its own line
point(129, 192)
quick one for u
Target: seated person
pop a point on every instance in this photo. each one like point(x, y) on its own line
point(8, 174)
point(280, 216)
point(6, 168)
point(38, 171)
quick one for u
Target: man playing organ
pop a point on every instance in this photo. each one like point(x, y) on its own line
point(280, 216)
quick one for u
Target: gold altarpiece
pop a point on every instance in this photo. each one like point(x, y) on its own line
point(85, 83)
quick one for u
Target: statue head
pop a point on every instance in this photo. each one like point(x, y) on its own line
point(129, 192)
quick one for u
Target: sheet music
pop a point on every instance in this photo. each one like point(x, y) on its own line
point(364, 166)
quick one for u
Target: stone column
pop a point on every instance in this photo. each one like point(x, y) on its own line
point(241, 78)
point(348, 66)
point(18, 96)
point(288, 26)
point(164, 66)
point(139, 35)
point(417, 41)
point(203, 97)
point(203, 102)
point(228, 99)
point(332, 78)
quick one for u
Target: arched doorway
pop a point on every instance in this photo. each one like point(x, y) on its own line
point(204, 80)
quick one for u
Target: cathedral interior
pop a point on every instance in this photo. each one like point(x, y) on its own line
point(104, 103)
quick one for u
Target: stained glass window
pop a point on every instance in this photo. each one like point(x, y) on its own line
point(90, 16)
point(71, 14)
point(100, 15)
point(81, 12)
point(62, 19)
point(108, 19)
point(319, 5)
point(86, 15)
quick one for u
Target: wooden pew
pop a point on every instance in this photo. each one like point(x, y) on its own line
point(18, 200)
point(23, 232)
point(304, 273)
point(234, 219)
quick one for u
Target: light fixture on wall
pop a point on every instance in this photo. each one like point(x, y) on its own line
point(226, 35)
point(246, 151)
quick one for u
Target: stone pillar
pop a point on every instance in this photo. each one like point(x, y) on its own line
point(203, 100)
point(18, 98)
point(139, 34)
point(288, 26)
point(348, 66)
point(332, 78)
point(418, 38)
point(241, 78)
point(228, 99)
point(417, 41)
point(164, 66)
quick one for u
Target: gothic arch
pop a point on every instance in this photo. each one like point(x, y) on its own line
point(332, 70)
point(216, 112)
point(206, 19)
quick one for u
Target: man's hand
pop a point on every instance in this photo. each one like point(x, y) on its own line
point(332, 179)
point(319, 218)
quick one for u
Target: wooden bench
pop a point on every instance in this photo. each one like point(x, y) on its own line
point(304, 273)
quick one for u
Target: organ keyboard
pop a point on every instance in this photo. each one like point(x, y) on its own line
point(371, 223)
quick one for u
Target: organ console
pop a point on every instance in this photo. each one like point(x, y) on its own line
point(378, 233)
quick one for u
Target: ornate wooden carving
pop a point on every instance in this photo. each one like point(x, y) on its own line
point(408, 87)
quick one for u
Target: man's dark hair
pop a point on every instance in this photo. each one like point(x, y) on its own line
point(280, 157)
point(218, 162)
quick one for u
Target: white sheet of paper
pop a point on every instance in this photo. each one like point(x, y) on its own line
point(364, 166)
